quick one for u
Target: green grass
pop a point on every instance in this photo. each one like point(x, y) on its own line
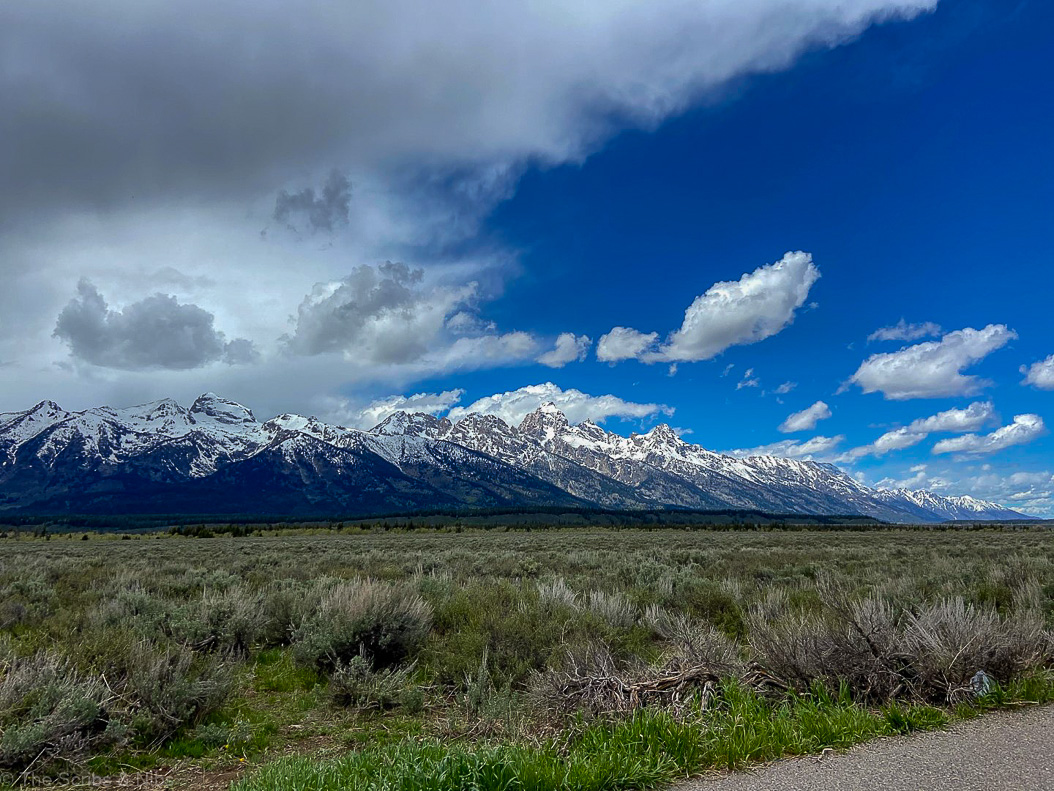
point(648, 750)
point(241, 600)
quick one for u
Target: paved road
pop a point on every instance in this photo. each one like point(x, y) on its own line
point(1001, 751)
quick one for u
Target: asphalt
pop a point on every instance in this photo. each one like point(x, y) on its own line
point(1001, 751)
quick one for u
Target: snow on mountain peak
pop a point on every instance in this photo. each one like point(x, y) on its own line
point(654, 469)
point(221, 410)
point(416, 424)
point(545, 422)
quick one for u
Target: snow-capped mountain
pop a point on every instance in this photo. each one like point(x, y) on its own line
point(216, 457)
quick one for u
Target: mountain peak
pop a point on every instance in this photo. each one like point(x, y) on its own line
point(415, 424)
point(664, 432)
point(221, 410)
point(545, 422)
point(46, 407)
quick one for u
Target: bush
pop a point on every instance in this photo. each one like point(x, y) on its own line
point(930, 653)
point(383, 622)
point(166, 689)
point(358, 684)
point(48, 710)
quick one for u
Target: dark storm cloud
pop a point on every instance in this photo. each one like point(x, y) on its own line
point(120, 101)
point(304, 210)
point(157, 332)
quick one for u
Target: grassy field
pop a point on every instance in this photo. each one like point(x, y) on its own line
point(575, 658)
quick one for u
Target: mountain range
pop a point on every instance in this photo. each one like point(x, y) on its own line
point(217, 458)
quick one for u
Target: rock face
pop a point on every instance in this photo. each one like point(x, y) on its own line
point(217, 458)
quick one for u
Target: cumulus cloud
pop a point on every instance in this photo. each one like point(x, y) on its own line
point(952, 421)
point(1030, 492)
point(389, 315)
point(157, 332)
point(1024, 429)
point(569, 348)
point(805, 420)
point(343, 412)
point(513, 406)
point(166, 130)
point(729, 313)
point(307, 211)
point(919, 479)
point(902, 331)
point(817, 447)
point(932, 369)
point(624, 343)
point(1040, 374)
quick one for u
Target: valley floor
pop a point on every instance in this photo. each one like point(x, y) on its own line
point(323, 659)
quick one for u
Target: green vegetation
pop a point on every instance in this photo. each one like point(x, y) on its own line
point(588, 658)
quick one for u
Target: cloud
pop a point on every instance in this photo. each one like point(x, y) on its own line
point(955, 421)
point(624, 343)
point(805, 420)
point(902, 331)
point(569, 348)
point(748, 380)
point(932, 369)
point(729, 313)
point(1040, 374)
point(785, 388)
point(920, 479)
point(515, 405)
point(205, 96)
point(163, 133)
point(1024, 429)
point(157, 332)
point(1030, 492)
point(304, 210)
point(389, 315)
point(792, 449)
point(343, 412)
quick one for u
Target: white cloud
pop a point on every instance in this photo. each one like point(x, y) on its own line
point(569, 348)
point(1040, 374)
point(955, 421)
point(514, 405)
point(920, 479)
point(815, 448)
point(623, 343)
point(342, 411)
point(748, 380)
point(729, 313)
point(1024, 429)
point(785, 388)
point(805, 420)
point(932, 369)
point(902, 331)
point(187, 149)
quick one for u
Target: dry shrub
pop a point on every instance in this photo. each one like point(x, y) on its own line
point(613, 608)
point(48, 710)
point(949, 641)
point(930, 653)
point(384, 622)
point(556, 594)
point(595, 684)
point(166, 689)
point(358, 684)
point(695, 642)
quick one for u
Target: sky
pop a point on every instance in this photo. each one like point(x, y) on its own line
point(815, 228)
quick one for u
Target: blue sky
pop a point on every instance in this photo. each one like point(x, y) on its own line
point(903, 145)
